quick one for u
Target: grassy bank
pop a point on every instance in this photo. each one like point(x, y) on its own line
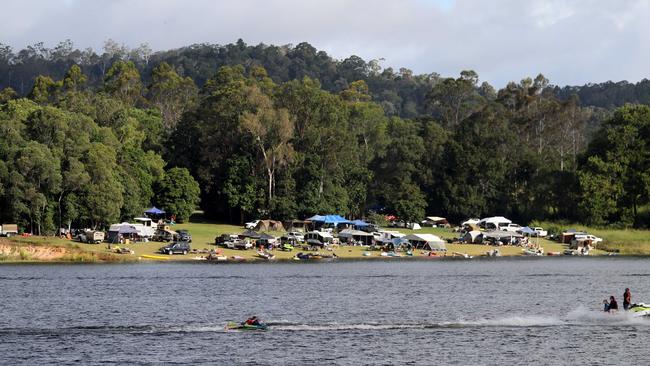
point(623, 241)
point(47, 249)
point(204, 233)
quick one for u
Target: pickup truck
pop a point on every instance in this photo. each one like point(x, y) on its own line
point(540, 232)
point(511, 227)
point(8, 230)
point(239, 244)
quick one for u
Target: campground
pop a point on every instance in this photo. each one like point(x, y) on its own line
point(204, 233)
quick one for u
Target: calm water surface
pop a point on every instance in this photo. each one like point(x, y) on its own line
point(529, 311)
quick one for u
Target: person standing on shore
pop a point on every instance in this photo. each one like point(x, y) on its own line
point(627, 299)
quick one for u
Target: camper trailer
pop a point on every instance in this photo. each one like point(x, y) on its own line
point(8, 230)
point(318, 238)
point(91, 236)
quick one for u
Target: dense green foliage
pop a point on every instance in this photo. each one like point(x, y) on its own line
point(288, 132)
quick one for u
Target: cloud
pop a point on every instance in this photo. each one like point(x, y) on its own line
point(570, 42)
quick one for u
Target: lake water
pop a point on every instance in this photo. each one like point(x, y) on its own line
point(503, 311)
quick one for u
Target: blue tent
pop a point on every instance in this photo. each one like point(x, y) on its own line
point(330, 219)
point(335, 220)
point(154, 211)
point(360, 223)
point(526, 230)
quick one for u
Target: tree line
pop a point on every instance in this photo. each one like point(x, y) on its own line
point(77, 151)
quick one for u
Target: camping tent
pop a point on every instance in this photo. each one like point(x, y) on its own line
point(356, 235)
point(426, 241)
point(269, 225)
point(473, 237)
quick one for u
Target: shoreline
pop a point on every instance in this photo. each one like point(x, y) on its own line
point(30, 252)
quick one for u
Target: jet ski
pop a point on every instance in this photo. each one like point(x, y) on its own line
point(239, 326)
point(639, 310)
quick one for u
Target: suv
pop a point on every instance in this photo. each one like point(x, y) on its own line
point(251, 225)
point(184, 235)
point(296, 235)
point(179, 247)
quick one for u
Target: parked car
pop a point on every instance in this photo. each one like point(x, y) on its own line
point(223, 239)
point(178, 247)
point(540, 232)
point(251, 225)
point(594, 239)
point(510, 227)
point(239, 244)
point(164, 235)
point(297, 235)
point(184, 235)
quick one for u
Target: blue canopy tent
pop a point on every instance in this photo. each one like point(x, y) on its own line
point(335, 220)
point(154, 211)
point(359, 223)
point(329, 219)
point(527, 231)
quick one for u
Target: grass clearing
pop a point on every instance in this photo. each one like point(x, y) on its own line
point(204, 232)
point(623, 241)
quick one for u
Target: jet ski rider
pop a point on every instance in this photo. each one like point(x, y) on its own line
point(252, 321)
point(627, 299)
point(613, 305)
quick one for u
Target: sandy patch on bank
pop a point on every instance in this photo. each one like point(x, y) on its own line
point(31, 252)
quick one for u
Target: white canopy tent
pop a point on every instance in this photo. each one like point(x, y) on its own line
point(494, 222)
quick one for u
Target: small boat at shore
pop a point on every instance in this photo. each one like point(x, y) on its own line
point(239, 326)
point(533, 252)
point(265, 255)
point(156, 257)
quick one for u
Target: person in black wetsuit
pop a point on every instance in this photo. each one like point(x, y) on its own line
point(613, 305)
point(627, 299)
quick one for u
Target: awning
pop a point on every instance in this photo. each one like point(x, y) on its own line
point(127, 230)
point(250, 234)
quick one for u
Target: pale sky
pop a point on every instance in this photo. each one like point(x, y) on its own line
point(570, 42)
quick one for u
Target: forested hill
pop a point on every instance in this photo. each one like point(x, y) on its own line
point(400, 92)
point(608, 95)
point(288, 132)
